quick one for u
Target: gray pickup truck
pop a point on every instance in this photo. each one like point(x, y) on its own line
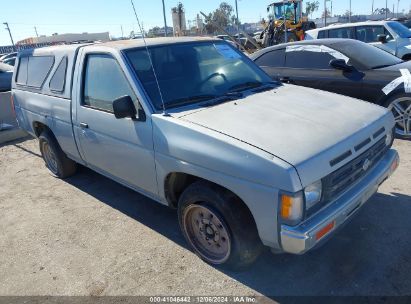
point(194, 124)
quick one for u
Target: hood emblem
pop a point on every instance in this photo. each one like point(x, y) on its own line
point(366, 165)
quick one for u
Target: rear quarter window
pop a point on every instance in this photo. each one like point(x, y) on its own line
point(345, 33)
point(22, 71)
point(58, 81)
point(33, 70)
point(321, 35)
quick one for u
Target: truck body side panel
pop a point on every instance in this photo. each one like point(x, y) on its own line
point(51, 111)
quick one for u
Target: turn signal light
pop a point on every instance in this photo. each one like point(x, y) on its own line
point(291, 208)
point(286, 206)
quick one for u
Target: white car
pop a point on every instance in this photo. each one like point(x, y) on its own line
point(390, 36)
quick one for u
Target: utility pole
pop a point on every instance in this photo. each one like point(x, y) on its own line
point(165, 20)
point(122, 32)
point(349, 17)
point(37, 34)
point(11, 37)
point(237, 21)
point(331, 8)
point(398, 9)
point(386, 9)
point(325, 13)
point(372, 8)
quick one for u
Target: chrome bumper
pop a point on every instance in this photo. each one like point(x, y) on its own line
point(300, 239)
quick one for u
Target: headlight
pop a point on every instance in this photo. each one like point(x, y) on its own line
point(291, 208)
point(313, 194)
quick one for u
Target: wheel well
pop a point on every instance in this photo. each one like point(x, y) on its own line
point(39, 127)
point(176, 183)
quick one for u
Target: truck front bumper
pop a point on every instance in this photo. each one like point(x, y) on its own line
point(320, 227)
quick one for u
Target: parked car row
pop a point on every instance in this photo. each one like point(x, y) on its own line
point(346, 67)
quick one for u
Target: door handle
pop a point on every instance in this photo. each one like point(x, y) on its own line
point(83, 125)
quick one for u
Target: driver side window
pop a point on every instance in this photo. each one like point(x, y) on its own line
point(104, 81)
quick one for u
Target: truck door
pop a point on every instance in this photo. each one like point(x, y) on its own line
point(121, 149)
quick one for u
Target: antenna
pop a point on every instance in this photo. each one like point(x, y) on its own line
point(151, 61)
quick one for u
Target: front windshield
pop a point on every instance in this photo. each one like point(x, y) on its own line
point(192, 72)
point(366, 55)
point(400, 29)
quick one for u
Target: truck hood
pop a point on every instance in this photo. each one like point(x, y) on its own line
point(296, 124)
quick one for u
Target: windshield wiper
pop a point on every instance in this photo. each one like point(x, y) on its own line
point(246, 86)
point(189, 100)
point(250, 85)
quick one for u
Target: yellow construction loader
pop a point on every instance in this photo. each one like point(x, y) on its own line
point(286, 23)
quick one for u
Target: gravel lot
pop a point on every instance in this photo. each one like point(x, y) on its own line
point(91, 236)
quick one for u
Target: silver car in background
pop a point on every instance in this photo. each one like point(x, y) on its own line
point(391, 36)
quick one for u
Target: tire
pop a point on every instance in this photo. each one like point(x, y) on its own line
point(291, 37)
point(397, 104)
point(218, 227)
point(55, 159)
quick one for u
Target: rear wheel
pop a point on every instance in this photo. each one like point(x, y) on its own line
point(55, 159)
point(218, 227)
point(400, 106)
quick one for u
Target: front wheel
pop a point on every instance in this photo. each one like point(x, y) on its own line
point(400, 106)
point(218, 226)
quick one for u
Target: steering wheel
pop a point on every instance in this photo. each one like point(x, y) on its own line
point(211, 77)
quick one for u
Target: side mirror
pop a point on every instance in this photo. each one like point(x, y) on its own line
point(340, 64)
point(382, 38)
point(124, 107)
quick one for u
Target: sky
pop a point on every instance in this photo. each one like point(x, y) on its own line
point(78, 16)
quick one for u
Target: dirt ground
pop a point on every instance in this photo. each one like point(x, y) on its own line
point(91, 236)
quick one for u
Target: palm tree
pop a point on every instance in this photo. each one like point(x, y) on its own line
point(312, 7)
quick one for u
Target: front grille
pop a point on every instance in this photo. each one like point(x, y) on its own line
point(342, 179)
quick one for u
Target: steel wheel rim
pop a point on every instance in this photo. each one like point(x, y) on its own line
point(50, 158)
point(401, 109)
point(207, 233)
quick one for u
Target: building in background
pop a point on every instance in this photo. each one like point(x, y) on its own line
point(67, 38)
